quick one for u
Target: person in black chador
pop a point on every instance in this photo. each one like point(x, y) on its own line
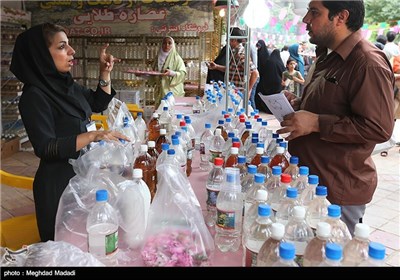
point(216, 75)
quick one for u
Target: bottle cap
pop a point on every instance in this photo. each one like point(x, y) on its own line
point(264, 210)
point(251, 169)
point(143, 148)
point(261, 195)
point(286, 178)
point(171, 152)
point(286, 251)
point(165, 146)
point(334, 211)
point(291, 192)
point(260, 151)
point(276, 170)
point(323, 229)
point(151, 144)
point(163, 131)
point(321, 191)
point(234, 150)
point(362, 231)
point(101, 195)
point(313, 179)
point(376, 250)
point(259, 178)
point(303, 170)
point(299, 212)
point(333, 251)
point(265, 159)
point(218, 161)
point(241, 159)
point(277, 231)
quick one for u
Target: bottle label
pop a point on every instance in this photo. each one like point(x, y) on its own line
point(196, 111)
point(251, 258)
point(226, 219)
point(212, 197)
point(214, 154)
point(111, 242)
point(202, 149)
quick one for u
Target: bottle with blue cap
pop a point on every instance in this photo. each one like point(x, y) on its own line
point(340, 231)
point(229, 212)
point(251, 193)
point(309, 193)
point(333, 255)
point(284, 211)
point(286, 256)
point(259, 232)
point(318, 208)
point(102, 228)
point(376, 255)
point(301, 182)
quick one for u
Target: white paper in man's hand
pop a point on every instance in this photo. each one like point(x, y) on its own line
point(277, 104)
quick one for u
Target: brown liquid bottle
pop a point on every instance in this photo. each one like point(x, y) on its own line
point(279, 159)
point(232, 160)
point(161, 139)
point(154, 128)
point(256, 160)
point(145, 162)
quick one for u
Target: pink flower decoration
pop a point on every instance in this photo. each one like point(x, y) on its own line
point(173, 248)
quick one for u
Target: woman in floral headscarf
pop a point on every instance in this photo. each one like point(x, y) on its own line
point(173, 70)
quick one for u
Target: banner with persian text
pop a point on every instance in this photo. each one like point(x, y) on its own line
point(118, 17)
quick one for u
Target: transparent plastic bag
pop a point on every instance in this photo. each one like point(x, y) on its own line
point(176, 234)
point(48, 253)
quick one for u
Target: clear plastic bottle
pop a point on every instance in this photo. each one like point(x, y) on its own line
point(251, 193)
point(314, 253)
point(340, 231)
point(280, 192)
point(205, 142)
point(216, 145)
point(264, 168)
point(229, 213)
point(273, 182)
point(197, 107)
point(301, 183)
point(286, 255)
point(161, 157)
point(356, 250)
point(214, 182)
point(166, 121)
point(258, 233)
point(269, 251)
point(133, 205)
point(180, 155)
point(309, 193)
point(376, 255)
point(102, 227)
point(141, 127)
point(251, 215)
point(299, 232)
point(318, 208)
point(284, 212)
point(293, 169)
point(333, 255)
point(248, 180)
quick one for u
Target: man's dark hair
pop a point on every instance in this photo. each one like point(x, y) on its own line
point(381, 39)
point(356, 12)
point(390, 36)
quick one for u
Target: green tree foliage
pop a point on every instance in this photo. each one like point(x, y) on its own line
point(382, 11)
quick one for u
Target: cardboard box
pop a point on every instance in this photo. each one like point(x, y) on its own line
point(9, 147)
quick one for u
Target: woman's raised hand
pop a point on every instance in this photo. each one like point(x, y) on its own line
point(107, 60)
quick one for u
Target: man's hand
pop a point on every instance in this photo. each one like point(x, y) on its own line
point(298, 124)
point(293, 99)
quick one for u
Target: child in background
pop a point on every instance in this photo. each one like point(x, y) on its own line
point(291, 78)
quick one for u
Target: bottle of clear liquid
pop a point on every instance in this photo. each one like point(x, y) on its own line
point(258, 233)
point(264, 168)
point(293, 169)
point(205, 142)
point(309, 193)
point(301, 183)
point(229, 213)
point(166, 121)
point(284, 212)
point(314, 253)
point(333, 255)
point(102, 227)
point(376, 255)
point(280, 192)
point(252, 213)
point(161, 158)
point(299, 232)
point(356, 250)
point(340, 231)
point(286, 255)
point(133, 206)
point(269, 251)
point(197, 106)
point(214, 182)
point(141, 127)
point(216, 145)
point(251, 193)
point(318, 208)
point(273, 183)
point(242, 167)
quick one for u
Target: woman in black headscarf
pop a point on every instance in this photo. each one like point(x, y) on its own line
point(56, 112)
point(271, 70)
point(216, 75)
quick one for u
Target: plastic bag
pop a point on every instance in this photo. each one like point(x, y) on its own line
point(176, 234)
point(48, 253)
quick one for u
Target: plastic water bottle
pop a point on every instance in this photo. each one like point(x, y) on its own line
point(197, 106)
point(340, 231)
point(214, 182)
point(286, 255)
point(269, 251)
point(308, 194)
point(376, 255)
point(102, 228)
point(205, 142)
point(229, 212)
point(333, 255)
point(356, 250)
point(293, 169)
point(314, 253)
point(318, 208)
point(252, 213)
point(141, 127)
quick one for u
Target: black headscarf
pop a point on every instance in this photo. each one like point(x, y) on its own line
point(33, 65)
point(262, 55)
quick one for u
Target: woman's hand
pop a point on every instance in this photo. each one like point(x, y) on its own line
point(107, 60)
point(108, 135)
